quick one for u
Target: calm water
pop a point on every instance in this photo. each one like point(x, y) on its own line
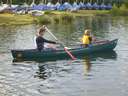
point(97, 75)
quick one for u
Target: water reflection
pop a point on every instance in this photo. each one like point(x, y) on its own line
point(42, 71)
point(59, 78)
point(87, 65)
point(45, 69)
point(104, 56)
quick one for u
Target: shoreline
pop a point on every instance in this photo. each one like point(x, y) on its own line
point(81, 12)
point(14, 19)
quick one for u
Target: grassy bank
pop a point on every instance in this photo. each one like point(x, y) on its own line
point(56, 19)
point(80, 12)
point(59, 16)
point(50, 16)
point(11, 19)
point(67, 16)
point(119, 11)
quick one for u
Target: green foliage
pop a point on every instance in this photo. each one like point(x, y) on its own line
point(123, 7)
point(11, 19)
point(47, 19)
point(48, 12)
point(122, 11)
point(67, 18)
point(56, 19)
point(126, 3)
point(43, 19)
point(115, 10)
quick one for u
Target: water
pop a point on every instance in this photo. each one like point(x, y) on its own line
point(96, 75)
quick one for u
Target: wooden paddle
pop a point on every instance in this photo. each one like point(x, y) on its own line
point(65, 48)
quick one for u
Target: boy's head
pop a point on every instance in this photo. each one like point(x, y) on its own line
point(41, 31)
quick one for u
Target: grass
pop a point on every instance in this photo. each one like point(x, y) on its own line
point(57, 16)
point(121, 11)
point(82, 12)
point(11, 19)
point(56, 19)
point(50, 17)
point(66, 16)
point(45, 19)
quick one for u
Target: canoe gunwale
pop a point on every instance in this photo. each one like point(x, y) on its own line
point(31, 53)
point(108, 42)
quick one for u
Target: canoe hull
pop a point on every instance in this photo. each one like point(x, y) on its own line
point(33, 54)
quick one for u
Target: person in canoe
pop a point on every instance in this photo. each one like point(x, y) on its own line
point(87, 38)
point(40, 40)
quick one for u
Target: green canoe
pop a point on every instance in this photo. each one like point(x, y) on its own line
point(34, 54)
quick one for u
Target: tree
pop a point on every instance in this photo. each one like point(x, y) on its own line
point(126, 3)
point(9, 2)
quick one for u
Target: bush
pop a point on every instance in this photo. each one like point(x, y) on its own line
point(56, 19)
point(48, 12)
point(115, 10)
point(123, 7)
point(122, 11)
point(43, 19)
point(67, 18)
point(126, 3)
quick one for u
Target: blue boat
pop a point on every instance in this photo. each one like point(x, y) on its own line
point(38, 7)
point(65, 6)
point(108, 7)
point(57, 6)
point(102, 6)
point(95, 6)
point(50, 6)
point(76, 6)
point(89, 6)
point(81, 5)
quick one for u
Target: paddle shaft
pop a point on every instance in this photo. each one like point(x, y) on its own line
point(54, 37)
point(66, 50)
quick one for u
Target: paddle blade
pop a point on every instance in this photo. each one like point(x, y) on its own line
point(70, 54)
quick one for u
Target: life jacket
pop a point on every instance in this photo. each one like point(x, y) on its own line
point(86, 39)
